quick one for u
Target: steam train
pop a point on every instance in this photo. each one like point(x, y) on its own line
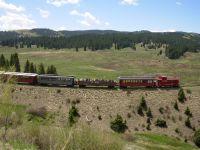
point(71, 81)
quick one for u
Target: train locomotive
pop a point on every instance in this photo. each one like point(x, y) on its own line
point(70, 81)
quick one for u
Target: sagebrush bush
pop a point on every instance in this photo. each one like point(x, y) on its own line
point(161, 110)
point(73, 114)
point(38, 112)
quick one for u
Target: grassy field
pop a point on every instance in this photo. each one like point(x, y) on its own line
point(109, 64)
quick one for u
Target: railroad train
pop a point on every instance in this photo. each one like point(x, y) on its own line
point(71, 81)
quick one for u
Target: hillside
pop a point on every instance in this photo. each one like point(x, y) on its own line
point(92, 103)
point(176, 44)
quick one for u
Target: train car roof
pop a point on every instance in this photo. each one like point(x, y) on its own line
point(21, 74)
point(137, 78)
point(50, 75)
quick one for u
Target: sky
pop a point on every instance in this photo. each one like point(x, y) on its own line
point(121, 15)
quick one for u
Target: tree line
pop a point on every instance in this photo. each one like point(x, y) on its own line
point(14, 64)
point(176, 43)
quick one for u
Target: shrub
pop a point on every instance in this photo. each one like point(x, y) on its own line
point(196, 138)
point(177, 131)
point(188, 91)
point(129, 115)
point(188, 123)
point(161, 123)
point(39, 112)
point(78, 101)
point(73, 114)
point(58, 91)
point(99, 117)
point(148, 127)
point(148, 120)
point(149, 114)
point(176, 106)
point(187, 112)
point(181, 96)
point(118, 125)
point(161, 110)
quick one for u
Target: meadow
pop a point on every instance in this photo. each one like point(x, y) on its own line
point(110, 64)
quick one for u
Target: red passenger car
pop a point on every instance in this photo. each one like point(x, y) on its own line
point(164, 81)
point(137, 81)
point(24, 78)
point(99, 83)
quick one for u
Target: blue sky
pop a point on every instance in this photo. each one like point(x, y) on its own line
point(123, 15)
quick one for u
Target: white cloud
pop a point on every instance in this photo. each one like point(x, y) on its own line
point(61, 28)
point(44, 13)
point(87, 18)
point(107, 23)
point(178, 3)
point(59, 3)
point(10, 7)
point(14, 21)
point(130, 2)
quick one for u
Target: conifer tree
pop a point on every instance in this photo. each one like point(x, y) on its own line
point(53, 69)
point(41, 69)
point(16, 62)
point(12, 60)
point(27, 66)
point(48, 71)
point(2, 61)
point(35, 69)
point(181, 95)
point(32, 70)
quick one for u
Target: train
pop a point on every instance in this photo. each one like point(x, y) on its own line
point(122, 82)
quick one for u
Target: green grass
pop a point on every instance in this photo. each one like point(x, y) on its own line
point(109, 64)
point(21, 145)
point(161, 142)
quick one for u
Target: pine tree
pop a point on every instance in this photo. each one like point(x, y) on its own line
point(16, 62)
point(12, 60)
point(32, 70)
point(7, 64)
point(181, 96)
point(143, 103)
point(188, 112)
point(176, 106)
point(35, 69)
point(27, 67)
point(53, 69)
point(48, 70)
point(2, 61)
point(149, 113)
point(41, 69)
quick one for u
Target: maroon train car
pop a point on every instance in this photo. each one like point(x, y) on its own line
point(164, 81)
point(137, 81)
point(24, 78)
point(99, 83)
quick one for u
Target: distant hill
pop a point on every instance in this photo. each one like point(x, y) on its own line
point(176, 43)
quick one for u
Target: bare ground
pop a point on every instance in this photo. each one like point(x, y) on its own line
point(108, 103)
